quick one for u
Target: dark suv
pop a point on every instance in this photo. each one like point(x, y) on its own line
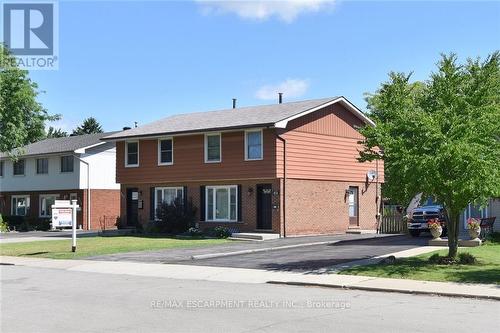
point(421, 215)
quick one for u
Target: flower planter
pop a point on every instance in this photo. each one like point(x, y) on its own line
point(436, 232)
point(474, 233)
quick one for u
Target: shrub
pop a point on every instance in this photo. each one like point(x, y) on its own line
point(14, 222)
point(195, 232)
point(175, 217)
point(4, 227)
point(441, 260)
point(466, 258)
point(222, 232)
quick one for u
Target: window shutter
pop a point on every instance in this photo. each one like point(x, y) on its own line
point(202, 203)
point(152, 203)
point(185, 198)
point(239, 203)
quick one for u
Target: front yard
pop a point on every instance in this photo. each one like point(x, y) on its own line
point(487, 270)
point(93, 246)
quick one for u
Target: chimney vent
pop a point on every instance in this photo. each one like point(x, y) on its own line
point(234, 103)
point(126, 128)
point(280, 97)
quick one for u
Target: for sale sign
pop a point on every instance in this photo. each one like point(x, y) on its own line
point(62, 217)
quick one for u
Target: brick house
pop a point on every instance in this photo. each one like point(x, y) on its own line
point(287, 168)
point(57, 169)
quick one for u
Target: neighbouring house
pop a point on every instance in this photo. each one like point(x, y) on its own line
point(287, 168)
point(491, 209)
point(58, 169)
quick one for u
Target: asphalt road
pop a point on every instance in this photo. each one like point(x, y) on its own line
point(52, 300)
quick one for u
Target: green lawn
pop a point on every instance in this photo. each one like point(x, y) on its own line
point(419, 268)
point(92, 246)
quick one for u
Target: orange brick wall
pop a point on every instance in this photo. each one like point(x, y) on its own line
point(248, 204)
point(103, 203)
point(321, 207)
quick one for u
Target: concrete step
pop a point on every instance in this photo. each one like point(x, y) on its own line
point(253, 236)
point(360, 231)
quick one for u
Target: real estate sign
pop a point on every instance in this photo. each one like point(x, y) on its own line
point(62, 214)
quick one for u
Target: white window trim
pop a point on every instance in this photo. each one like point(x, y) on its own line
point(206, 147)
point(12, 207)
point(159, 151)
point(261, 145)
point(176, 188)
point(126, 154)
point(14, 168)
point(228, 187)
point(60, 164)
point(40, 197)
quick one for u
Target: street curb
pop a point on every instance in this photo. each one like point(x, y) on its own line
point(284, 247)
point(391, 290)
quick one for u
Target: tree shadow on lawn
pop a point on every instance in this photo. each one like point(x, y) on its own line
point(491, 275)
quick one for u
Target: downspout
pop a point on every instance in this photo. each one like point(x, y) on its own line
point(284, 182)
point(88, 189)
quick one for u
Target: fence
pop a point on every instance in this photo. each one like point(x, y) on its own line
point(392, 221)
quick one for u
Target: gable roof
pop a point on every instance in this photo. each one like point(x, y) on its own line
point(62, 145)
point(274, 115)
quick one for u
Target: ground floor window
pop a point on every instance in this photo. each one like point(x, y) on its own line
point(168, 195)
point(20, 205)
point(221, 203)
point(46, 202)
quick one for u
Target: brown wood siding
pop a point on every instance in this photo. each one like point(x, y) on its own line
point(324, 146)
point(189, 164)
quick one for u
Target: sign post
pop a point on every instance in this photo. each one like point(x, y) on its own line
point(73, 217)
point(64, 215)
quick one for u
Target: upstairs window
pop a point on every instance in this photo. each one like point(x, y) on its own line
point(42, 166)
point(165, 151)
point(212, 148)
point(132, 154)
point(19, 168)
point(67, 163)
point(253, 145)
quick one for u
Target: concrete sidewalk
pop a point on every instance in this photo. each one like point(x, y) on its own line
point(242, 275)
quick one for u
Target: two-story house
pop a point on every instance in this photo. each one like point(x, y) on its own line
point(287, 168)
point(76, 167)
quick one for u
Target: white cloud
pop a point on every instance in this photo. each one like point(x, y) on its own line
point(290, 88)
point(285, 10)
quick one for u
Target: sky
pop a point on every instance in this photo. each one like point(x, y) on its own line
point(138, 61)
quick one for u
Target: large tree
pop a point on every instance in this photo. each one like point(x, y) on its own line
point(440, 137)
point(22, 117)
point(89, 126)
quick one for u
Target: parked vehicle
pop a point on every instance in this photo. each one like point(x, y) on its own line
point(421, 215)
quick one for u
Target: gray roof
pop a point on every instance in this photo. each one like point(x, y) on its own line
point(244, 117)
point(60, 145)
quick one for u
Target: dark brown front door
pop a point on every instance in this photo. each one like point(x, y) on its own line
point(264, 206)
point(353, 206)
point(132, 207)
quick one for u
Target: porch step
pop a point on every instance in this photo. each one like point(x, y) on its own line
point(253, 236)
point(360, 231)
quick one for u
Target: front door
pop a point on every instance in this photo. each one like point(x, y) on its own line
point(132, 207)
point(353, 207)
point(264, 206)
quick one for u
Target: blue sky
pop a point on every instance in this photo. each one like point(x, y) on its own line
point(126, 61)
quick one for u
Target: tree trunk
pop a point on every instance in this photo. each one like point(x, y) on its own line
point(453, 223)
